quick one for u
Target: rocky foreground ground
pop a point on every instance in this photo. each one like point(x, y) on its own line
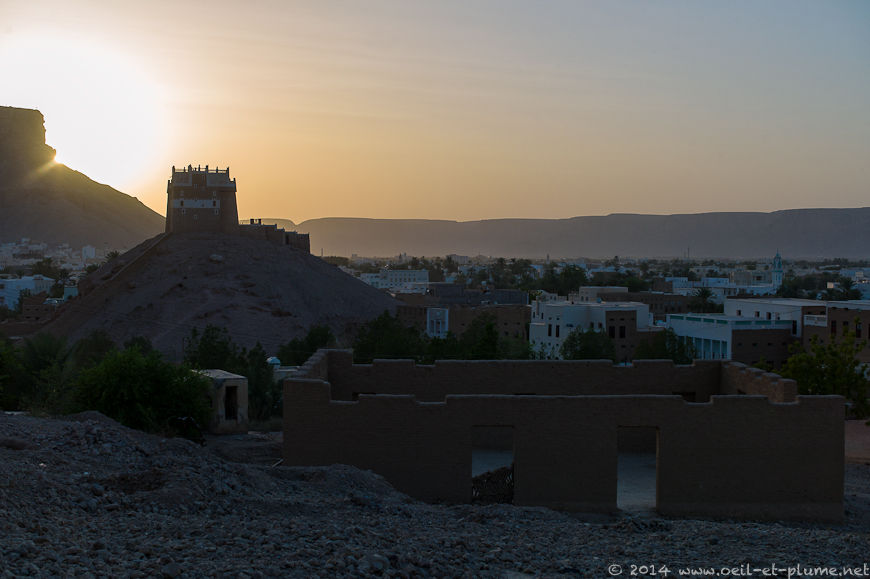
point(84, 496)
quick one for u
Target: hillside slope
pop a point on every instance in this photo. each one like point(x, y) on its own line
point(51, 203)
point(259, 291)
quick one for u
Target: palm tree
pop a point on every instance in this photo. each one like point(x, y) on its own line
point(702, 301)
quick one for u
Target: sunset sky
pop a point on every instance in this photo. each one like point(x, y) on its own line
point(456, 109)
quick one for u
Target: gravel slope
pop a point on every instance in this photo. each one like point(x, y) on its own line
point(258, 291)
point(84, 496)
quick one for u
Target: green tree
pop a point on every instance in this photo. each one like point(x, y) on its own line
point(588, 345)
point(264, 393)
point(511, 348)
point(386, 337)
point(702, 302)
point(847, 289)
point(91, 349)
point(214, 348)
point(48, 372)
point(142, 391)
point(446, 348)
point(831, 368)
point(665, 345)
point(46, 267)
point(480, 339)
point(298, 350)
point(11, 376)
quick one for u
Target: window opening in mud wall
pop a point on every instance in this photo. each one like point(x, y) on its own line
point(492, 464)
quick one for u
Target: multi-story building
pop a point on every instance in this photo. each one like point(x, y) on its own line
point(724, 337)
point(201, 199)
point(398, 280)
point(11, 288)
point(767, 308)
point(510, 320)
point(660, 304)
point(553, 321)
point(452, 308)
point(594, 293)
point(839, 319)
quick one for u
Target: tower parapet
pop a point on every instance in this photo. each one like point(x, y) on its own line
point(201, 199)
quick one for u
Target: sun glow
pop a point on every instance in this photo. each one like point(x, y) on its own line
point(102, 113)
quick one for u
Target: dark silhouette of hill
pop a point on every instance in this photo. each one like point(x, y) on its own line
point(796, 233)
point(50, 202)
point(258, 291)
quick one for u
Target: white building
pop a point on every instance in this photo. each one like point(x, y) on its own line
point(11, 288)
point(398, 280)
point(437, 322)
point(590, 293)
point(552, 321)
point(712, 335)
point(776, 309)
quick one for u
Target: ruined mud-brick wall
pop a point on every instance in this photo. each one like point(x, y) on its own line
point(738, 378)
point(553, 377)
point(732, 456)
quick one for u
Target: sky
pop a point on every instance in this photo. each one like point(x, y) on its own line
point(455, 109)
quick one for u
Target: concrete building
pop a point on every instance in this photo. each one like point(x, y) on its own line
point(839, 318)
point(38, 309)
point(229, 402)
point(767, 308)
point(593, 293)
point(746, 340)
point(742, 449)
point(437, 321)
point(552, 321)
point(11, 288)
point(660, 304)
point(398, 280)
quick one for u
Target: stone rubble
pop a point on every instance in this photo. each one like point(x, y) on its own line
point(86, 497)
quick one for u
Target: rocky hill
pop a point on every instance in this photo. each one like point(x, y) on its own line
point(258, 291)
point(51, 203)
point(798, 233)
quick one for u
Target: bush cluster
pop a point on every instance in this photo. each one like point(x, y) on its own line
point(132, 385)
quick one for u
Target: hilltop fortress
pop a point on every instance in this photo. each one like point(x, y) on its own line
point(199, 199)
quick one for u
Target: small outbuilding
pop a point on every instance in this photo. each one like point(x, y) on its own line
point(229, 402)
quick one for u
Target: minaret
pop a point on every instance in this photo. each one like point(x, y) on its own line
point(776, 277)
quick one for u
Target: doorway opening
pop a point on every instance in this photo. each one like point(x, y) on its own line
point(231, 403)
point(637, 469)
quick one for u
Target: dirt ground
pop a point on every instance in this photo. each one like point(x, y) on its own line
point(263, 448)
point(857, 441)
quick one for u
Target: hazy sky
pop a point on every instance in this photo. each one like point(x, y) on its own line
point(456, 109)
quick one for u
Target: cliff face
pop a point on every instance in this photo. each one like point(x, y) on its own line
point(49, 202)
point(22, 142)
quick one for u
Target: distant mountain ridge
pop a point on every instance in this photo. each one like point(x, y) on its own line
point(796, 233)
point(49, 202)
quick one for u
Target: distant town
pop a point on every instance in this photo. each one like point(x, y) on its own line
point(748, 311)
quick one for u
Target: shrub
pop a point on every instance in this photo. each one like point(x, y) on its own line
point(142, 391)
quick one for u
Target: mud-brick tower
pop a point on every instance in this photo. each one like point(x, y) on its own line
point(201, 199)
